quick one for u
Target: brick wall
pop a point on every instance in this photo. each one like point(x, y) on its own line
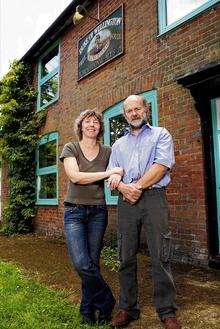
point(149, 62)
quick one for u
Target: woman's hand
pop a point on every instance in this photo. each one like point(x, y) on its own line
point(113, 181)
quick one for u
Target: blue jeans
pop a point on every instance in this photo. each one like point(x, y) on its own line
point(84, 228)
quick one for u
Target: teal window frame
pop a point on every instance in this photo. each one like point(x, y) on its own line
point(43, 80)
point(117, 109)
point(47, 170)
point(162, 15)
point(216, 136)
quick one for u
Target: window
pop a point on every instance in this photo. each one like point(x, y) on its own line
point(115, 126)
point(47, 170)
point(175, 12)
point(48, 77)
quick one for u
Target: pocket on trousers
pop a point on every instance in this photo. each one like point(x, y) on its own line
point(71, 208)
point(73, 214)
point(166, 247)
point(163, 198)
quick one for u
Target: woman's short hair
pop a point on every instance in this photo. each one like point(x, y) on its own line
point(87, 114)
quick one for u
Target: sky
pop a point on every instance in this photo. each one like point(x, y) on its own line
point(22, 22)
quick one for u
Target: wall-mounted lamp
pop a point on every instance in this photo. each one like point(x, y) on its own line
point(81, 12)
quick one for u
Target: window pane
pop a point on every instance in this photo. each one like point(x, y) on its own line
point(118, 126)
point(49, 90)
point(114, 193)
point(150, 119)
point(47, 154)
point(47, 186)
point(49, 62)
point(177, 9)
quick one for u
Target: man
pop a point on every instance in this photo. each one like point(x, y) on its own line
point(146, 155)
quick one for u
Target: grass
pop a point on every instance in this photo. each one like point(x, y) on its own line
point(25, 303)
point(110, 258)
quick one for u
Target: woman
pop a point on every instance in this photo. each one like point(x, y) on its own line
point(85, 216)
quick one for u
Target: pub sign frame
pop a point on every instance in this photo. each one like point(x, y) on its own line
point(101, 44)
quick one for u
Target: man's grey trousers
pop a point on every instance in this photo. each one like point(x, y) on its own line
point(151, 212)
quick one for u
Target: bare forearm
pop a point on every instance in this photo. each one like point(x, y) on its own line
point(121, 187)
point(152, 176)
point(84, 178)
point(81, 177)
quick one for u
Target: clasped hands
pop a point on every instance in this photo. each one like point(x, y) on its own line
point(131, 192)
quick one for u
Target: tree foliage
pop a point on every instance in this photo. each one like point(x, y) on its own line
point(19, 125)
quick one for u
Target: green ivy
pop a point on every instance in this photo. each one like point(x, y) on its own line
point(19, 125)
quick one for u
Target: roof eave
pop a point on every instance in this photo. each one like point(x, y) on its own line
point(54, 31)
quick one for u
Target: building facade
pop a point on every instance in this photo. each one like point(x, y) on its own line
point(169, 52)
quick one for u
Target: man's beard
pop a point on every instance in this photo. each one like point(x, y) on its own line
point(139, 125)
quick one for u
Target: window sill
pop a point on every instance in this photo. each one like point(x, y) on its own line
point(47, 202)
point(48, 104)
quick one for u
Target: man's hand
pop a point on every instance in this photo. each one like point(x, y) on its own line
point(131, 192)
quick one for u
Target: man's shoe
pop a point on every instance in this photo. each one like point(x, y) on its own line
point(121, 319)
point(171, 323)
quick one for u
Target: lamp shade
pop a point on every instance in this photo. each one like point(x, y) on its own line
point(77, 16)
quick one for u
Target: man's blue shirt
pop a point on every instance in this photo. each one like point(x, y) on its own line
point(136, 154)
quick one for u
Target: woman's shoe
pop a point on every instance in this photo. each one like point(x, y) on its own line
point(85, 319)
point(104, 319)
